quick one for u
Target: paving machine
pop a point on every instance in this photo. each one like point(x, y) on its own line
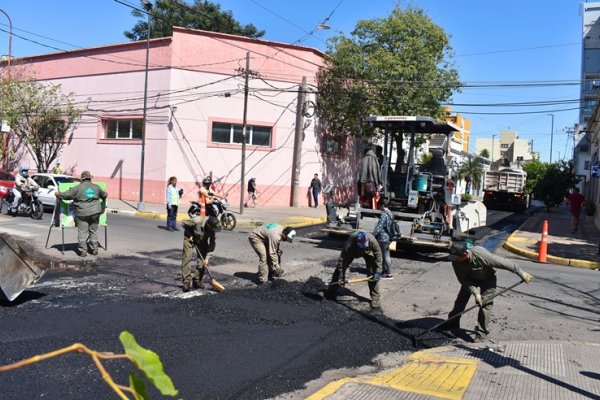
point(422, 197)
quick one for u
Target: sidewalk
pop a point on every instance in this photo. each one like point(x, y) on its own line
point(287, 216)
point(579, 249)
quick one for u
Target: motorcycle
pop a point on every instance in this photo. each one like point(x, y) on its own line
point(218, 208)
point(29, 204)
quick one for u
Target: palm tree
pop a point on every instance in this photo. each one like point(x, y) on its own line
point(471, 171)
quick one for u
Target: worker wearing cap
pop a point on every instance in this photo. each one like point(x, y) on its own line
point(200, 233)
point(265, 240)
point(88, 208)
point(359, 244)
point(475, 269)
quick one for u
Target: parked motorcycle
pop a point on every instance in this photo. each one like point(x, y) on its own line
point(218, 208)
point(29, 204)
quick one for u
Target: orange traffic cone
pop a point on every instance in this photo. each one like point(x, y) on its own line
point(202, 205)
point(543, 251)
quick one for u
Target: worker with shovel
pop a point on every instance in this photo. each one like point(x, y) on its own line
point(265, 240)
point(475, 269)
point(199, 232)
point(359, 244)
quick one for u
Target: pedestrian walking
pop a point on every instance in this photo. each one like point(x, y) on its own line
point(172, 200)
point(57, 169)
point(87, 198)
point(575, 201)
point(359, 244)
point(475, 269)
point(252, 193)
point(201, 233)
point(266, 241)
point(383, 234)
point(316, 186)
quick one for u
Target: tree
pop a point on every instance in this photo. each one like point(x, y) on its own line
point(203, 14)
point(550, 182)
point(471, 171)
point(392, 66)
point(40, 116)
point(485, 153)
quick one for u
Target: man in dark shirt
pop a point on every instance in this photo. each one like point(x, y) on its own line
point(315, 187)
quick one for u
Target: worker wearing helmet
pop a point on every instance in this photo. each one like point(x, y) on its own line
point(359, 244)
point(207, 194)
point(23, 184)
point(265, 240)
point(475, 269)
point(200, 233)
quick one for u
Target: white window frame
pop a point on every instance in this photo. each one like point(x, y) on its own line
point(249, 134)
point(119, 133)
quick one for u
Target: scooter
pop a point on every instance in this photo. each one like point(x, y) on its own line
point(218, 208)
point(29, 204)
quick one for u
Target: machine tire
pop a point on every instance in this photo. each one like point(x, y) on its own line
point(37, 210)
point(228, 221)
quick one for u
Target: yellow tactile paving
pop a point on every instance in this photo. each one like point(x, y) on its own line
point(423, 372)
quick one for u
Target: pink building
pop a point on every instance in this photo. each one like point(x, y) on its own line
point(195, 108)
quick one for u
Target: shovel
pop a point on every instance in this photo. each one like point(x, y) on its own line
point(213, 282)
point(15, 273)
point(315, 287)
point(415, 338)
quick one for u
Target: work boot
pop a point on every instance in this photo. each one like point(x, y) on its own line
point(94, 252)
point(375, 304)
point(197, 284)
point(186, 287)
point(278, 272)
point(82, 254)
point(479, 338)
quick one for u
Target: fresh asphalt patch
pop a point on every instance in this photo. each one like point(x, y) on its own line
point(248, 342)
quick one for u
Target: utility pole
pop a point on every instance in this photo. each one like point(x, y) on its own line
point(298, 143)
point(244, 123)
point(551, 136)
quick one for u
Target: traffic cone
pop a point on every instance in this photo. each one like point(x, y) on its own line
point(543, 251)
point(202, 205)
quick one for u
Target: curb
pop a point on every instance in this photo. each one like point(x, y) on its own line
point(569, 262)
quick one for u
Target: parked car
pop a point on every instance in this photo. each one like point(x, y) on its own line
point(49, 184)
point(7, 182)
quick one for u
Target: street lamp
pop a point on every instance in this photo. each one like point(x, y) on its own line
point(551, 136)
point(5, 135)
point(148, 8)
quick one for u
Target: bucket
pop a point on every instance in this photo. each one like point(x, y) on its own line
point(421, 182)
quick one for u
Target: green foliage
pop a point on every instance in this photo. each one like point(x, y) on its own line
point(388, 66)
point(425, 158)
point(149, 363)
point(465, 197)
point(549, 182)
point(40, 116)
point(485, 153)
point(202, 14)
point(471, 171)
point(140, 392)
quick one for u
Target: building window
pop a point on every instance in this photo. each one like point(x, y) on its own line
point(123, 128)
point(586, 165)
point(333, 145)
point(232, 133)
point(504, 146)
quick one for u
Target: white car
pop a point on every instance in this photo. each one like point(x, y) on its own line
point(49, 184)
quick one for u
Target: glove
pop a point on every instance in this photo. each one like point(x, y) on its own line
point(526, 277)
point(478, 300)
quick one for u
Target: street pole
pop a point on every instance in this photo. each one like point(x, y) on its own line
point(551, 136)
point(493, 143)
point(244, 122)
point(298, 143)
point(148, 8)
point(5, 135)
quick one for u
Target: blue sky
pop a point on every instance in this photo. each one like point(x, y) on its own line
point(502, 47)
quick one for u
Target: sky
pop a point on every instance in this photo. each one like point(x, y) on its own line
point(506, 51)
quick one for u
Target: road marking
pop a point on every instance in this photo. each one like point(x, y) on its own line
point(423, 372)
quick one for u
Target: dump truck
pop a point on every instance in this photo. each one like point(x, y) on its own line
point(423, 198)
point(504, 188)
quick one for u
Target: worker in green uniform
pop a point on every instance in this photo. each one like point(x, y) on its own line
point(475, 269)
point(359, 244)
point(198, 232)
point(89, 205)
point(266, 240)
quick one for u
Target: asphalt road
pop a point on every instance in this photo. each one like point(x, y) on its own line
point(254, 342)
